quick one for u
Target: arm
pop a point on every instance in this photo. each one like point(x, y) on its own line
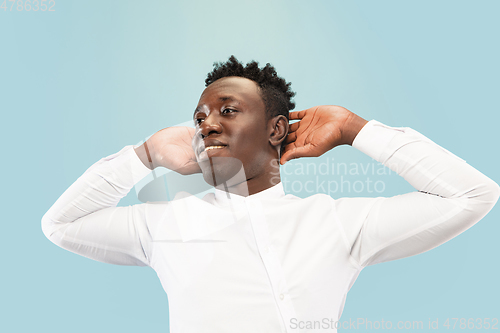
point(85, 219)
point(452, 196)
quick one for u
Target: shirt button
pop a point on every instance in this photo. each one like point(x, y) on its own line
point(282, 296)
point(266, 250)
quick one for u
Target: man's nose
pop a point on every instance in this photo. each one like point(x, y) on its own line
point(210, 125)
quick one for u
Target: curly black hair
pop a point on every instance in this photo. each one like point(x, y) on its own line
point(275, 91)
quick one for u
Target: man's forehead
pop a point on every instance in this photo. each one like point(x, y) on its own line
point(234, 80)
point(232, 86)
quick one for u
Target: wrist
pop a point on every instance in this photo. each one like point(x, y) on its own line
point(144, 155)
point(351, 128)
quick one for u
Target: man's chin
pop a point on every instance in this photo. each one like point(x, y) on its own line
point(219, 170)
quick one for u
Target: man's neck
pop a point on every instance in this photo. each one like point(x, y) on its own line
point(242, 186)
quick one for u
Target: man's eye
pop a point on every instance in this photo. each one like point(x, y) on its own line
point(198, 121)
point(225, 111)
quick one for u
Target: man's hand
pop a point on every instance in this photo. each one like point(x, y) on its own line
point(171, 148)
point(320, 129)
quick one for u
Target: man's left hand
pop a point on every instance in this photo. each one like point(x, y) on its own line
point(320, 129)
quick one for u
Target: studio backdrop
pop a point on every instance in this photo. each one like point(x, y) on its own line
point(79, 80)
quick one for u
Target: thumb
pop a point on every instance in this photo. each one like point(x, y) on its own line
point(297, 152)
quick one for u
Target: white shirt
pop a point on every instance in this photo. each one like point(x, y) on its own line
point(270, 262)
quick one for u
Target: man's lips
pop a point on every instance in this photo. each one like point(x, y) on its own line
point(213, 147)
point(210, 151)
point(210, 145)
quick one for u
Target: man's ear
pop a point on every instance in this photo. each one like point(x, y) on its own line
point(278, 130)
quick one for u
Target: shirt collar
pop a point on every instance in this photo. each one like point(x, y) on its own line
point(273, 192)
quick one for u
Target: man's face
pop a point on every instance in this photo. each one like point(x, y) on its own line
point(231, 130)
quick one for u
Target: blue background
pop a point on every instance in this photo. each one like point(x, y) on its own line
point(81, 82)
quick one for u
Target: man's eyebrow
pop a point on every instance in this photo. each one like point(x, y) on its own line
point(228, 98)
point(222, 99)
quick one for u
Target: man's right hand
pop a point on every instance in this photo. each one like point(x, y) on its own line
point(170, 148)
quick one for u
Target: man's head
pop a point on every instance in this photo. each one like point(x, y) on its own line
point(243, 116)
point(274, 90)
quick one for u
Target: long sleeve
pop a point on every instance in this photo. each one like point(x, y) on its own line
point(86, 221)
point(451, 197)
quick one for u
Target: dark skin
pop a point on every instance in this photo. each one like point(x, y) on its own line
point(231, 117)
point(232, 112)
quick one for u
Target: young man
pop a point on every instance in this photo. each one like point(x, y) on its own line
point(249, 258)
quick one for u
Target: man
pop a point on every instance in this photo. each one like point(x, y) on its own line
point(249, 258)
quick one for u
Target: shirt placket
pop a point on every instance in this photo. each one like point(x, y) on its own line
point(271, 262)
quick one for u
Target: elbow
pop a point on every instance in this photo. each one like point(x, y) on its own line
point(485, 196)
point(495, 190)
point(48, 226)
point(491, 192)
point(52, 230)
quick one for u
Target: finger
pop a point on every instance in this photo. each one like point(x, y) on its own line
point(297, 152)
point(293, 127)
point(297, 115)
point(285, 156)
point(290, 155)
point(288, 147)
point(291, 137)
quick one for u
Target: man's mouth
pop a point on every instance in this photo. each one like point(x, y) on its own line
point(210, 145)
point(210, 150)
point(213, 147)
